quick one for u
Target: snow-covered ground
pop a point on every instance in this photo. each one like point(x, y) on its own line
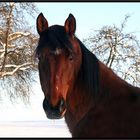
point(18, 121)
point(34, 129)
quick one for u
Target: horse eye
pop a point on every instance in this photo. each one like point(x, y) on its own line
point(38, 56)
point(70, 57)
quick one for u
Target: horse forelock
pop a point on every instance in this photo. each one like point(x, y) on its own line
point(55, 38)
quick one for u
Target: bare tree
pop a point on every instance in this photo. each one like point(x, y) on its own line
point(17, 43)
point(118, 50)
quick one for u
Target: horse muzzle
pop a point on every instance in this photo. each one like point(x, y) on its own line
point(56, 112)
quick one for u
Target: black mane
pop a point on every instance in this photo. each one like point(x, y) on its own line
point(89, 71)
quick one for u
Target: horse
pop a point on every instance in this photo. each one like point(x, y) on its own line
point(94, 101)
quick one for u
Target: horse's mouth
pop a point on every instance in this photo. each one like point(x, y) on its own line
point(55, 114)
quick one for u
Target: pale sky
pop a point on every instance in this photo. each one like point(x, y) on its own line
point(89, 17)
point(92, 16)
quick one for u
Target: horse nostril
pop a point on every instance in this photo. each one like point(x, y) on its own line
point(62, 102)
point(45, 104)
point(62, 105)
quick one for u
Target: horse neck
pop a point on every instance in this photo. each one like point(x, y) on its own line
point(80, 101)
point(78, 104)
point(110, 83)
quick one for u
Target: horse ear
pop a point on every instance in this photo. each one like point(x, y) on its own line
point(42, 23)
point(70, 25)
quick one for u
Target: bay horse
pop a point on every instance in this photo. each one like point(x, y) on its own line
point(93, 99)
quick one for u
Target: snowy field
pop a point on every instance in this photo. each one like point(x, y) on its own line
point(30, 121)
point(32, 129)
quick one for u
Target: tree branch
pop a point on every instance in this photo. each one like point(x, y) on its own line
point(22, 67)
